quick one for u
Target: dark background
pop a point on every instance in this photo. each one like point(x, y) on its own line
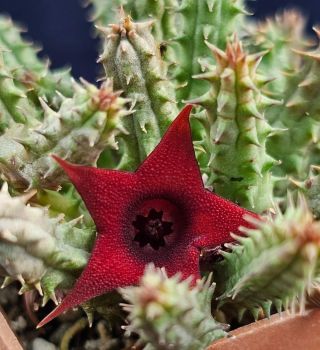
point(62, 29)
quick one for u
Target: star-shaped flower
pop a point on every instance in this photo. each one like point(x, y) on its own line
point(161, 213)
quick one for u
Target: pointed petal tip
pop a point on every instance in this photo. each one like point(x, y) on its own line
point(59, 160)
point(65, 305)
point(182, 120)
point(73, 171)
point(188, 107)
point(53, 314)
point(185, 112)
point(63, 163)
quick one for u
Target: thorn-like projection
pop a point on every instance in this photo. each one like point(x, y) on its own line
point(89, 119)
point(7, 281)
point(38, 288)
point(169, 309)
point(37, 250)
point(132, 57)
point(273, 264)
point(202, 31)
point(237, 161)
point(296, 69)
point(6, 235)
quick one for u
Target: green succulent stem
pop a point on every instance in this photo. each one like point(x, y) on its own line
point(31, 73)
point(212, 21)
point(274, 264)
point(296, 147)
point(41, 252)
point(88, 120)
point(235, 129)
point(168, 313)
point(132, 59)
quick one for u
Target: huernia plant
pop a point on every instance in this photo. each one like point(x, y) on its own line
point(153, 216)
point(274, 264)
point(182, 154)
point(169, 313)
point(131, 57)
point(237, 162)
point(36, 249)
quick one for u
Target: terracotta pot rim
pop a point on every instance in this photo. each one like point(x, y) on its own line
point(279, 332)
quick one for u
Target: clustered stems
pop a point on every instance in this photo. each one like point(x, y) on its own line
point(255, 130)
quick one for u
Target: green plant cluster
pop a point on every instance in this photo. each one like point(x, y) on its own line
point(256, 134)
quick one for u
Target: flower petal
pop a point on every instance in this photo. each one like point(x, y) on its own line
point(173, 161)
point(169, 174)
point(216, 218)
point(104, 192)
point(111, 265)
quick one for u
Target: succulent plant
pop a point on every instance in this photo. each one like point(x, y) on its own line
point(38, 251)
point(132, 58)
point(168, 314)
point(310, 188)
point(300, 118)
point(235, 128)
point(161, 12)
point(274, 264)
point(255, 86)
point(279, 37)
point(196, 32)
point(88, 120)
point(30, 73)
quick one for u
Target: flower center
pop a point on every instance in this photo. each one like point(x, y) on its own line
point(154, 221)
point(151, 229)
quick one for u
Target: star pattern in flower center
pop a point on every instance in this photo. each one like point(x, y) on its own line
point(152, 229)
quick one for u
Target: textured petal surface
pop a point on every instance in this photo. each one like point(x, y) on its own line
point(107, 271)
point(110, 266)
point(105, 192)
point(173, 164)
point(169, 181)
point(216, 218)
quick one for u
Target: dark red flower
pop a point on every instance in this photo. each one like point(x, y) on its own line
point(161, 213)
